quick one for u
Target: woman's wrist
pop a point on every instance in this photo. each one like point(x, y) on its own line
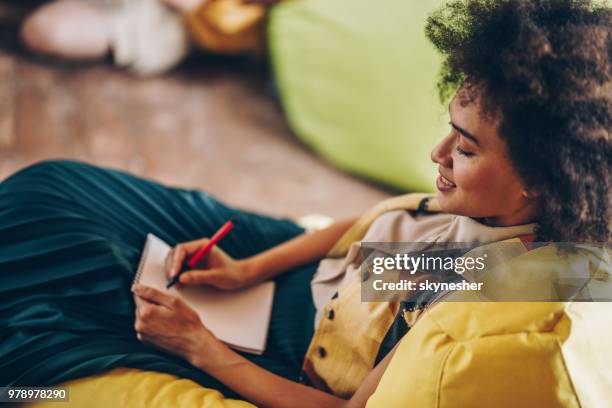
point(212, 355)
point(205, 349)
point(251, 269)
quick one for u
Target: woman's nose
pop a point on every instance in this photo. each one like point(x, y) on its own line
point(441, 154)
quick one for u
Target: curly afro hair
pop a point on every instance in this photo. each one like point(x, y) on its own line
point(543, 67)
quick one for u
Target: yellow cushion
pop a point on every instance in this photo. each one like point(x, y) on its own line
point(133, 388)
point(512, 354)
point(546, 354)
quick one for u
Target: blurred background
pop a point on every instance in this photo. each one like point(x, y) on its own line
point(249, 127)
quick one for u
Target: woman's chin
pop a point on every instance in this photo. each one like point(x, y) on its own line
point(446, 201)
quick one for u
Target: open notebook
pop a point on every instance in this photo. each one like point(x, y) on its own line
point(238, 318)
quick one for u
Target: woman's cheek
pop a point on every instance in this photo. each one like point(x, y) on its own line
point(475, 177)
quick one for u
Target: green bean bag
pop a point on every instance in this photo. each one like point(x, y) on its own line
point(357, 82)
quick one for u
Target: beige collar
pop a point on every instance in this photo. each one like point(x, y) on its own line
point(466, 229)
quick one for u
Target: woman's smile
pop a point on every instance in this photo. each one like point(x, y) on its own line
point(444, 184)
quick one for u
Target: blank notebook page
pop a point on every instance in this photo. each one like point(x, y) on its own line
point(238, 318)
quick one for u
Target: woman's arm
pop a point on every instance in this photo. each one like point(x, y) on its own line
point(270, 390)
point(222, 271)
point(168, 323)
point(298, 251)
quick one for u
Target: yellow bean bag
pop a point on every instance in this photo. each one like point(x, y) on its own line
point(511, 354)
point(133, 388)
point(503, 355)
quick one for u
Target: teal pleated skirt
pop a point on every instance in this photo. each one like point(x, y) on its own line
point(71, 235)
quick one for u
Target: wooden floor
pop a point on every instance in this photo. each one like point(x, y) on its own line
point(211, 124)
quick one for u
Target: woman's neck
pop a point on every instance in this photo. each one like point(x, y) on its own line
point(525, 215)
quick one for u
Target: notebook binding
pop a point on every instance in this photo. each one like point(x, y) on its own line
point(140, 269)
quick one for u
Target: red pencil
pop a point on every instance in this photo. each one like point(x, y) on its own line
point(191, 263)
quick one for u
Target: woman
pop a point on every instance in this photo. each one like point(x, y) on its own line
point(528, 152)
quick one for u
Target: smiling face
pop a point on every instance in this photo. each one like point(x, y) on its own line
point(476, 176)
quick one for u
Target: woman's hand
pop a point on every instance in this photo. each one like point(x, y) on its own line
point(216, 269)
point(169, 324)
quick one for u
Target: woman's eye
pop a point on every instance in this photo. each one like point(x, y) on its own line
point(463, 152)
